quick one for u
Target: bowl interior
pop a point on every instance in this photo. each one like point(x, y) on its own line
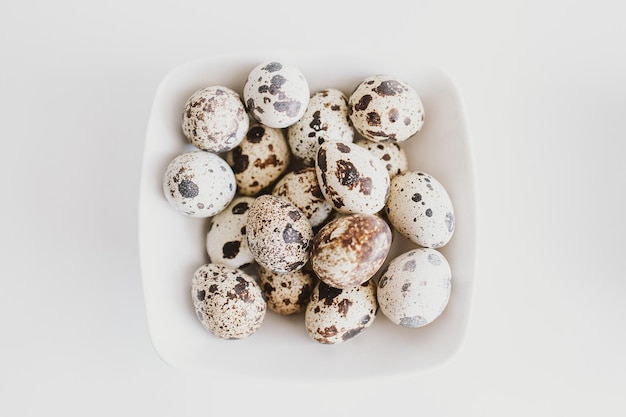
point(172, 245)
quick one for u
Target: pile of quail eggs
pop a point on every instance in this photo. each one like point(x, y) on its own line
point(303, 192)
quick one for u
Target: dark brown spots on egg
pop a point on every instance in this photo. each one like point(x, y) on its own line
point(449, 221)
point(267, 288)
point(390, 88)
point(291, 235)
point(276, 83)
point(414, 321)
point(416, 197)
point(213, 287)
point(321, 159)
point(351, 333)
point(272, 67)
point(335, 107)
point(327, 293)
point(188, 189)
point(409, 266)
point(231, 249)
point(253, 107)
point(338, 202)
point(393, 115)
point(316, 122)
point(241, 289)
point(200, 295)
point(363, 102)
point(291, 108)
point(343, 148)
point(428, 213)
point(255, 134)
point(240, 208)
point(240, 160)
point(305, 295)
point(373, 119)
point(328, 331)
point(347, 174)
point(343, 306)
point(294, 215)
point(271, 160)
point(434, 259)
point(405, 287)
point(365, 186)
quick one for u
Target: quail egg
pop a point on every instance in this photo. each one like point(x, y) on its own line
point(385, 108)
point(415, 288)
point(227, 301)
point(199, 184)
point(276, 94)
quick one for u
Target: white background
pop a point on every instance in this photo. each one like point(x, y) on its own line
point(544, 84)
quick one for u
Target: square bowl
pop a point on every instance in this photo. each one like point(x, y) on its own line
point(172, 246)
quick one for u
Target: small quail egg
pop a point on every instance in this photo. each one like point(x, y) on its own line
point(276, 94)
point(279, 234)
point(260, 159)
point(227, 301)
point(335, 315)
point(393, 156)
point(199, 184)
point(415, 288)
point(226, 241)
point(302, 189)
point(350, 249)
point(420, 209)
point(351, 178)
point(384, 108)
point(287, 293)
point(325, 118)
point(215, 119)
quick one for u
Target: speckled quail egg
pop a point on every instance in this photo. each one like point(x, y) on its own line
point(302, 189)
point(226, 241)
point(199, 184)
point(335, 315)
point(276, 94)
point(350, 249)
point(391, 153)
point(326, 118)
point(420, 209)
point(260, 159)
point(215, 119)
point(351, 178)
point(279, 234)
point(384, 108)
point(227, 301)
point(287, 293)
point(415, 288)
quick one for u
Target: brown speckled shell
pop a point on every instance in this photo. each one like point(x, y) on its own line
point(227, 301)
point(326, 118)
point(279, 234)
point(301, 188)
point(350, 249)
point(420, 209)
point(383, 108)
point(215, 119)
point(415, 288)
point(334, 315)
point(351, 178)
point(287, 293)
point(259, 160)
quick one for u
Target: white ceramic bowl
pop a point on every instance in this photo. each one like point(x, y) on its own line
point(172, 246)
